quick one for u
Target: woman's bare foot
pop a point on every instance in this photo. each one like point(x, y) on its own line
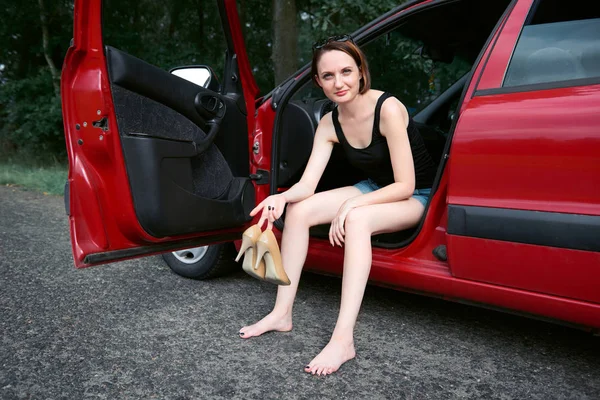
point(331, 358)
point(272, 322)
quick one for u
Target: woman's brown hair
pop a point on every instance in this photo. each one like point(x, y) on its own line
point(349, 47)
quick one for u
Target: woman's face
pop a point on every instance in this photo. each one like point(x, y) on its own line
point(339, 76)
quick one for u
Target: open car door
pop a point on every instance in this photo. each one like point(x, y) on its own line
point(156, 162)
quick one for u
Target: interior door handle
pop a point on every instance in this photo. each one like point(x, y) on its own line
point(209, 105)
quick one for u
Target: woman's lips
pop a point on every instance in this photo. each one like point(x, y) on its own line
point(341, 93)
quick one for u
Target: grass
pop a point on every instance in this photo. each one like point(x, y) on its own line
point(45, 179)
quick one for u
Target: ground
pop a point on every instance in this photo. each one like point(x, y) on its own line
point(136, 330)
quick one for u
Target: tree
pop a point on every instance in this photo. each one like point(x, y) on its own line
point(285, 39)
point(47, 51)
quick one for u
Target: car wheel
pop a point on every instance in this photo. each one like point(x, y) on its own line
point(202, 262)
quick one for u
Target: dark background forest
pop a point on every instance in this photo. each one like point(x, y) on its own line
point(35, 35)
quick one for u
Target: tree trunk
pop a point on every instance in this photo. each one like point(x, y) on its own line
point(200, 13)
point(47, 55)
point(285, 34)
point(175, 9)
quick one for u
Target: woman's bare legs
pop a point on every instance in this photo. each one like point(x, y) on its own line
point(360, 224)
point(320, 208)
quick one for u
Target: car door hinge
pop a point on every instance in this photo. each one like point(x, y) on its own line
point(261, 177)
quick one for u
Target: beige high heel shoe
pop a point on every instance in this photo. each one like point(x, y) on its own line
point(248, 249)
point(268, 250)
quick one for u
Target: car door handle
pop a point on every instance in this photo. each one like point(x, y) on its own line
point(209, 104)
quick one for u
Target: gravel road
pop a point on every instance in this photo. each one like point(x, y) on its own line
point(135, 330)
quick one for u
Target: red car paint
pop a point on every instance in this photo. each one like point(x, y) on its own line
point(530, 150)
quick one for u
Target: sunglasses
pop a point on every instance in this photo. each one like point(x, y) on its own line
point(339, 38)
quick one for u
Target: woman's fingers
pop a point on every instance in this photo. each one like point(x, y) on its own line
point(264, 216)
point(271, 218)
point(331, 235)
point(259, 207)
point(339, 230)
point(336, 234)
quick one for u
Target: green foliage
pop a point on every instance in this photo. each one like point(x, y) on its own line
point(47, 179)
point(31, 117)
point(166, 33)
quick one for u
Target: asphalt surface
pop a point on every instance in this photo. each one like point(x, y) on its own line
point(136, 330)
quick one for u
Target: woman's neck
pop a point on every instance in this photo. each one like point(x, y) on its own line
point(353, 108)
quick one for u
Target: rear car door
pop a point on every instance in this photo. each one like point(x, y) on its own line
point(524, 166)
point(156, 162)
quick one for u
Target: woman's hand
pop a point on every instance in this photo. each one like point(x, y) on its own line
point(272, 208)
point(336, 231)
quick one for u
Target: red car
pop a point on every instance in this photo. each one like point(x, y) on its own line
point(506, 94)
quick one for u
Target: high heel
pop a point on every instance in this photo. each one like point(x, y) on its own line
point(268, 250)
point(248, 249)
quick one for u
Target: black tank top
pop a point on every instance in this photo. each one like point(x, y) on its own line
point(375, 159)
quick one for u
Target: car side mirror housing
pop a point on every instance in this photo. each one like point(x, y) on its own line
point(201, 75)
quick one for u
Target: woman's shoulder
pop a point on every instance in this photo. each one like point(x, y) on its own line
point(326, 128)
point(375, 95)
point(392, 109)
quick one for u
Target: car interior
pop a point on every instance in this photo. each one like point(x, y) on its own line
point(424, 59)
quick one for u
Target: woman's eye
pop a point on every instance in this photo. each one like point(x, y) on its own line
point(326, 76)
point(347, 71)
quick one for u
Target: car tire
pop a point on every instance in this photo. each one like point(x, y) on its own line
point(202, 262)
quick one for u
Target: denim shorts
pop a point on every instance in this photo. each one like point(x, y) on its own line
point(369, 185)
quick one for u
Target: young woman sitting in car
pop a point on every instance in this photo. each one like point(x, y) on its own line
point(378, 136)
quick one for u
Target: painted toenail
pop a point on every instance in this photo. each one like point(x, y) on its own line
point(242, 333)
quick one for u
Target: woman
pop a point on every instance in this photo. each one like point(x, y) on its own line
point(373, 129)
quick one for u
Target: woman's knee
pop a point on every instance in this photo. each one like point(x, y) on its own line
point(357, 220)
point(298, 212)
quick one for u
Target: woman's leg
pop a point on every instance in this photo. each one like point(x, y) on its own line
point(360, 224)
point(318, 209)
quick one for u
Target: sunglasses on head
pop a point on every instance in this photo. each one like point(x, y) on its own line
point(339, 38)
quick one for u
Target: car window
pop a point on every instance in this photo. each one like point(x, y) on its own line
point(411, 71)
point(405, 67)
point(166, 34)
point(559, 42)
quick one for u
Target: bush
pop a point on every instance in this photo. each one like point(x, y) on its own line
point(31, 118)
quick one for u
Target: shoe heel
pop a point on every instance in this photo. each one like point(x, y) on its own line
point(247, 242)
point(268, 250)
point(261, 249)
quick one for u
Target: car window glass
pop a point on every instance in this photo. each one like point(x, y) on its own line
point(560, 42)
point(414, 73)
point(166, 34)
point(405, 68)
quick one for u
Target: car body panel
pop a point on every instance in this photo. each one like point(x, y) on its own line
point(503, 47)
point(523, 162)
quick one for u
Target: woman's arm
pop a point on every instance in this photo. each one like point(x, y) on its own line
point(319, 156)
point(272, 207)
point(393, 124)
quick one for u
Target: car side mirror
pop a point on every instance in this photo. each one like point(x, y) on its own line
point(201, 75)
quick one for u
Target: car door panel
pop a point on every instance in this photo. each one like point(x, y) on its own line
point(175, 189)
point(149, 171)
